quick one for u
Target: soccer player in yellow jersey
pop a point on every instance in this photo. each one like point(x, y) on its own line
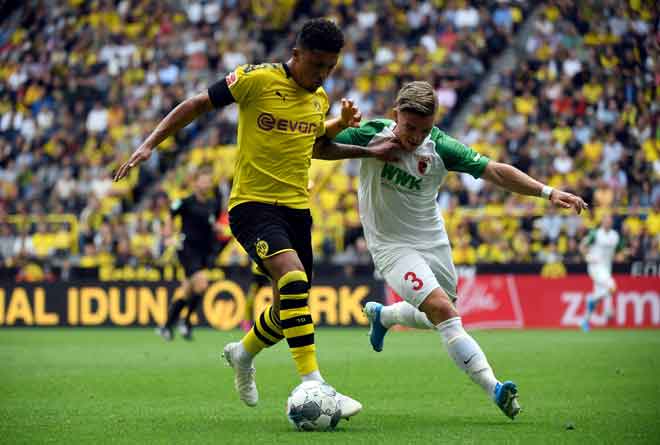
point(282, 111)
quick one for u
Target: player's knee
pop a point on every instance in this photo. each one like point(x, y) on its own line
point(438, 307)
point(293, 282)
point(202, 287)
point(200, 283)
point(186, 286)
point(283, 263)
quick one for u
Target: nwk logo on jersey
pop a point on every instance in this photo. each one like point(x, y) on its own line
point(400, 177)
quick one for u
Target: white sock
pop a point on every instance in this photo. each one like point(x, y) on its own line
point(467, 354)
point(608, 306)
point(405, 314)
point(314, 375)
point(595, 298)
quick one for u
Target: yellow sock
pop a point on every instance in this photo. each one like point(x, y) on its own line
point(265, 333)
point(296, 320)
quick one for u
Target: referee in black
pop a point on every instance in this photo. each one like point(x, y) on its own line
point(199, 214)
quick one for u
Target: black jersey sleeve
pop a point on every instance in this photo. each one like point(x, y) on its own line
point(220, 95)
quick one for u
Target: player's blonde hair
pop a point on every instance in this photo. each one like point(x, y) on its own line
point(417, 97)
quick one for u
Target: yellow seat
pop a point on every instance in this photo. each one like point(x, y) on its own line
point(633, 225)
point(653, 222)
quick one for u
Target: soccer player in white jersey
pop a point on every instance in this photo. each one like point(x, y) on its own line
point(405, 231)
point(599, 249)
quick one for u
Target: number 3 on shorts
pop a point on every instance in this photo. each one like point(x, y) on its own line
point(417, 283)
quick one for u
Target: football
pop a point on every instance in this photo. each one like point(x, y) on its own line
point(313, 406)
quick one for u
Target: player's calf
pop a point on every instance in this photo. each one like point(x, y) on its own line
point(296, 321)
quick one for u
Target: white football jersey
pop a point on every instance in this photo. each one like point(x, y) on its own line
point(603, 245)
point(397, 200)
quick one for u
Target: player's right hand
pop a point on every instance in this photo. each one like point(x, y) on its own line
point(350, 113)
point(139, 155)
point(568, 201)
point(386, 150)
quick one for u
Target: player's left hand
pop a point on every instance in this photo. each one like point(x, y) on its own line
point(350, 113)
point(568, 201)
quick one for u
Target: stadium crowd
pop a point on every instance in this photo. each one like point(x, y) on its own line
point(579, 110)
point(82, 84)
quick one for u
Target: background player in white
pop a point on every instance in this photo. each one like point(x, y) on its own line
point(405, 231)
point(599, 249)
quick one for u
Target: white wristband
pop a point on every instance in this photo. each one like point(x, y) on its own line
point(546, 191)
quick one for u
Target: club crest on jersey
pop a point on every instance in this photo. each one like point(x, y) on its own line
point(423, 164)
point(231, 78)
point(262, 248)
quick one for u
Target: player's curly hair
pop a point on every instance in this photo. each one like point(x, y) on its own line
point(322, 35)
point(417, 97)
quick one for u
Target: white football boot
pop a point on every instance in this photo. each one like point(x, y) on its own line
point(349, 407)
point(243, 376)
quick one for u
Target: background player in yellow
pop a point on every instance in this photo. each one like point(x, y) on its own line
point(282, 111)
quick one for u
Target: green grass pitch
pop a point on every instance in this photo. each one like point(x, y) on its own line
point(128, 386)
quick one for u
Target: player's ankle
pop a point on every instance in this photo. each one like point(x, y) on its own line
point(312, 376)
point(387, 316)
point(243, 356)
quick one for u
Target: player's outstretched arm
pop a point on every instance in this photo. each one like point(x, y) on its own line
point(327, 149)
point(386, 150)
point(186, 112)
point(514, 180)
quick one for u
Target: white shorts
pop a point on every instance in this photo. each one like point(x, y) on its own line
point(415, 273)
point(602, 278)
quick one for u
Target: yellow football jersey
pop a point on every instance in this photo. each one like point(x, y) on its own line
point(278, 124)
